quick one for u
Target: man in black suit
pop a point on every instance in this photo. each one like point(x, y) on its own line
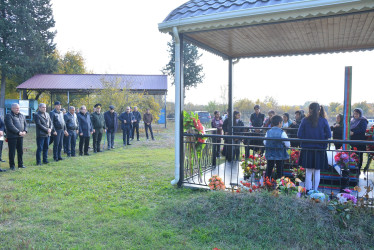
point(126, 119)
point(16, 128)
point(44, 129)
point(85, 130)
point(57, 117)
point(71, 121)
point(135, 124)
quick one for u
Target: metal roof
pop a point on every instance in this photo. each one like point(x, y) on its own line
point(265, 28)
point(195, 8)
point(153, 84)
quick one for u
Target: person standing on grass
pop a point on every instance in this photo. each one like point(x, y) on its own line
point(85, 130)
point(126, 119)
point(44, 129)
point(16, 129)
point(57, 117)
point(313, 156)
point(111, 124)
point(72, 126)
point(65, 140)
point(2, 138)
point(276, 151)
point(98, 123)
point(148, 118)
point(135, 124)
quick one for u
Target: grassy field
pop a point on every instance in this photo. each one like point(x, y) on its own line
point(122, 199)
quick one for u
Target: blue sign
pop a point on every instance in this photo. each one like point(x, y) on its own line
point(162, 117)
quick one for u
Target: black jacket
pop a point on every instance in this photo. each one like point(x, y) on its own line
point(111, 121)
point(257, 120)
point(98, 122)
point(15, 124)
point(137, 116)
point(58, 124)
point(42, 124)
point(69, 121)
point(125, 116)
point(85, 125)
point(337, 132)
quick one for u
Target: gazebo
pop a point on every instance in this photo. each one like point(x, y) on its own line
point(263, 28)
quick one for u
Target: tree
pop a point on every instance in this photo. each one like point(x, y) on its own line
point(26, 40)
point(192, 71)
point(70, 63)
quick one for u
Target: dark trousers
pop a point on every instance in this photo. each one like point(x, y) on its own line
point(150, 129)
point(110, 138)
point(135, 126)
point(42, 144)
point(236, 150)
point(217, 147)
point(57, 144)
point(1, 149)
point(83, 142)
point(270, 165)
point(13, 145)
point(126, 134)
point(97, 140)
point(65, 144)
point(72, 140)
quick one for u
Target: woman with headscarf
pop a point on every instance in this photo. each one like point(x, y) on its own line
point(358, 129)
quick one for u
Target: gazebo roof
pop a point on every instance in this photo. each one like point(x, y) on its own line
point(86, 83)
point(260, 28)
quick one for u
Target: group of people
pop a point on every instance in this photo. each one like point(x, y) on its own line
point(314, 126)
point(63, 128)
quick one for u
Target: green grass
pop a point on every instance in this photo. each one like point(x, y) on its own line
point(122, 199)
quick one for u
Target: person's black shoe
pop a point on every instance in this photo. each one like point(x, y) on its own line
point(128, 144)
point(45, 162)
point(113, 147)
point(131, 139)
point(2, 170)
point(22, 166)
point(138, 140)
point(86, 154)
point(38, 164)
point(1, 160)
point(99, 151)
point(60, 159)
point(12, 168)
point(80, 154)
point(73, 155)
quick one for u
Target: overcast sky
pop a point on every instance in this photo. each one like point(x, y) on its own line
point(122, 37)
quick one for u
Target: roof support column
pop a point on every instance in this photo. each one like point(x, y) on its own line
point(231, 107)
point(178, 81)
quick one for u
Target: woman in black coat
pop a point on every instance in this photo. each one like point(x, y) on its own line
point(337, 130)
point(358, 128)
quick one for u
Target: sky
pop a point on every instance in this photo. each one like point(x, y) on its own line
point(122, 37)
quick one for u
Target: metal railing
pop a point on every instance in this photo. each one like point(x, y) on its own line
point(200, 164)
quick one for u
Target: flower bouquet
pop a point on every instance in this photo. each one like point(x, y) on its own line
point(294, 156)
point(216, 183)
point(346, 197)
point(299, 173)
point(286, 186)
point(247, 186)
point(254, 165)
point(195, 146)
point(346, 159)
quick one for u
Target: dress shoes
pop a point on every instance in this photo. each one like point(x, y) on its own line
point(128, 144)
point(45, 162)
point(86, 154)
point(55, 159)
point(113, 147)
point(12, 168)
point(22, 166)
point(1, 160)
point(60, 159)
point(2, 170)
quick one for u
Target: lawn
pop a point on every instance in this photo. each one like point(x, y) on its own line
point(123, 199)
